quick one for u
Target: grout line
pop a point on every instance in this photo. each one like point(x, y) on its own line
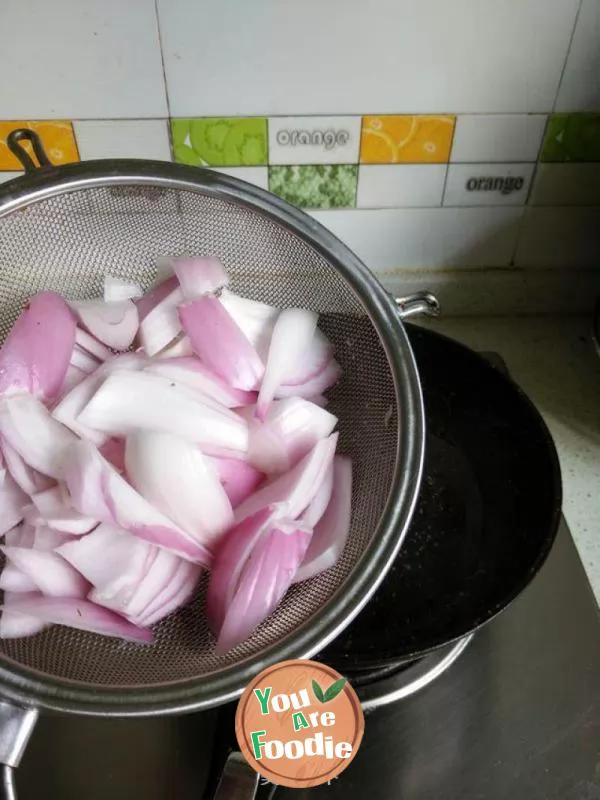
point(519, 236)
point(164, 74)
point(168, 116)
point(564, 67)
point(445, 185)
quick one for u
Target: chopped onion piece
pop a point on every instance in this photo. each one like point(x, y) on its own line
point(311, 363)
point(295, 489)
point(37, 437)
point(51, 573)
point(161, 325)
point(256, 320)
point(21, 536)
point(83, 360)
point(180, 347)
point(238, 478)
point(112, 560)
point(154, 296)
point(173, 475)
point(230, 558)
point(28, 479)
point(73, 403)
point(36, 353)
point(114, 324)
point(320, 501)
point(263, 580)
point(95, 348)
point(73, 378)
point(179, 591)
point(59, 515)
point(192, 372)
point(327, 378)
point(291, 429)
point(157, 576)
point(220, 343)
point(13, 580)
point(12, 501)
point(130, 401)
point(116, 290)
point(98, 491)
point(199, 276)
point(79, 614)
point(331, 532)
point(14, 626)
point(113, 450)
point(291, 340)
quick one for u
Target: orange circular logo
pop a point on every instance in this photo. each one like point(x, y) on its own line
point(299, 723)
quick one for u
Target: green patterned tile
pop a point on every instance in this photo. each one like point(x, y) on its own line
point(320, 186)
point(220, 141)
point(572, 137)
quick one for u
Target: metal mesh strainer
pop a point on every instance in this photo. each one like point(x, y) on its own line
point(64, 229)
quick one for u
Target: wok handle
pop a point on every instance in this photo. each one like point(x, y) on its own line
point(418, 303)
point(16, 726)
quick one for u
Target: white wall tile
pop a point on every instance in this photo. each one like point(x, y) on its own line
point(87, 59)
point(427, 237)
point(580, 86)
point(497, 137)
point(566, 185)
point(131, 138)
point(8, 176)
point(487, 184)
point(259, 176)
point(314, 140)
point(559, 237)
point(394, 56)
point(398, 185)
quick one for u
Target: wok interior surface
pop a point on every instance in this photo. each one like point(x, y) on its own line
point(486, 517)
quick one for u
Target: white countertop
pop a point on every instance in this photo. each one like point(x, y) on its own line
point(554, 360)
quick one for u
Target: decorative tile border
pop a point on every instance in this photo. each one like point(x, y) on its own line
point(416, 139)
point(370, 162)
point(572, 137)
point(487, 184)
point(314, 140)
point(58, 138)
point(220, 141)
point(566, 184)
point(315, 186)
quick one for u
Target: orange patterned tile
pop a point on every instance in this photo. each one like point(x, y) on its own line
point(57, 137)
point(414, 139)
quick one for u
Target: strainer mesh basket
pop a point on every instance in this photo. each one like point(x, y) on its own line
point(67, 242)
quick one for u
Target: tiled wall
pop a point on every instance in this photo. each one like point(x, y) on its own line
point(427, 135)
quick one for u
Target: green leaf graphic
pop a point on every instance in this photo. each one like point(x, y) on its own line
point(334, 689)
point(318, 692)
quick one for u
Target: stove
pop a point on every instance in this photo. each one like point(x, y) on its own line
point(510, 712)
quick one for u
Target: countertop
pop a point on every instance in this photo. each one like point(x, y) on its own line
point(554, 360)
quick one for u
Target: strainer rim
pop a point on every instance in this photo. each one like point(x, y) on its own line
point(28, 686)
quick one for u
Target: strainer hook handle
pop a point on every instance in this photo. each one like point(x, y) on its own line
point(14, 139)
point(418, 303)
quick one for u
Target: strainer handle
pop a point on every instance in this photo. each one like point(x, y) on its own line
point(418, 303)
point(7, 786)
point(16, 726)
point(14, 139)
point(238, 780)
